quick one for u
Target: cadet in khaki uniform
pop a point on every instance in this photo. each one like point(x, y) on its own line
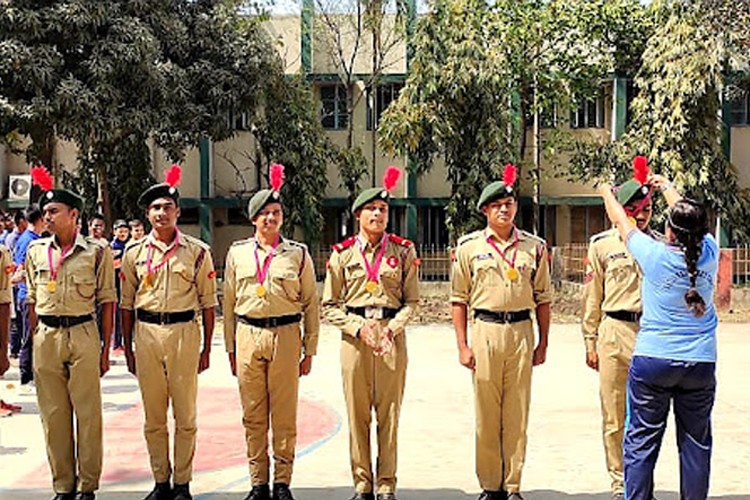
point(371, 291)
point(269, 286)
point(611, 311)
point(67, 276)
point(6, 269)
point(165, 278)
point(501, 274)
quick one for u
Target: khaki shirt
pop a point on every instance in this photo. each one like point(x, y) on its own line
point(186, 282)
point(85, 278)
point(346, 279)
point(290, 288)
point(612, 282)
point(6, 271)
point(479, 273)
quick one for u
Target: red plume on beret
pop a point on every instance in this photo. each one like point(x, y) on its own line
point(276, 176)
point(640, 169)
point(510, 173)
point(41, 177)
point(173, 175)
point(391, 177)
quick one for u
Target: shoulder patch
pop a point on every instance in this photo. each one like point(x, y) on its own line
point(530, 236)
point(399, 240)
point(238, 243)
point(134, 244)
point(40, 241)
point(344, 244)
point(94, 241)
point(297, 244)
point(469, 237)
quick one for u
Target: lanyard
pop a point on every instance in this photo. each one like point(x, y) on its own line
point(150, 269)
point(373, 269)
point(64, 253)
point(263, 271)
point(511, 263)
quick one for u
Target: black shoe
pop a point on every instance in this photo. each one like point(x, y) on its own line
point(65, 496)
point(387, 496)
point(281, 492)
point(182, 492)
point(259, 492)
point(493, 495)
point(161, 491)
point(85, 496)
point(363, 496)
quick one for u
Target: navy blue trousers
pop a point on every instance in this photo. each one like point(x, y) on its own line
point(653, 384)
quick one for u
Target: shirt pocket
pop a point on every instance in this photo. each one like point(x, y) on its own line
point(85, 285)
point(42, 278)
point(245, 281)
point(287, 283)
point(620, 271)
point(487, 272)
point(355, 274)
point(183, 278)
point(526, 266)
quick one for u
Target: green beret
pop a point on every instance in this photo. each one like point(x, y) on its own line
point(368, 195)
point(632, 190)
point(61, 196)
point(157, 191)
point(260, 200)
point(495, 191)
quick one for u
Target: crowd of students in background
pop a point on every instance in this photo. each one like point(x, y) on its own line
point(19, 229)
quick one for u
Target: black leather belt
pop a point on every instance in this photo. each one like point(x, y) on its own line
point(502, 316)
point(64, 321)
point(164, 318)
point(273, 322)
point(387, 312)
point(629, 316)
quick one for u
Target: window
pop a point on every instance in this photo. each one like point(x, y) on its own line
point(740, 113)
point(386, 94)
point(586, 221)
point(333, 109)
point(590, 114)
point(237, 120)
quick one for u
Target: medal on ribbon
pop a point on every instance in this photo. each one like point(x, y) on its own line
point(151, 270)
point(373, 269)
point(511, 273)
point(54, 269)
point(260, 289)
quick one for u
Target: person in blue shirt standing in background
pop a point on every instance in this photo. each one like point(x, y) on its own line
point(674, 360)
point(33, 232)
point(121, 239)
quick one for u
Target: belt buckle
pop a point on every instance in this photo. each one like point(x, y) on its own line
point(273, 322)
point(163, 318)
point(505, 316)
point(374, 312)
point(64, 322)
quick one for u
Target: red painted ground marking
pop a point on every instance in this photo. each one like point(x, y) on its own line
point(221, 438)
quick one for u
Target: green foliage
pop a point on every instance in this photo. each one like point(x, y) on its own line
point(289, 132)
point(676, 115)
point(112, 75)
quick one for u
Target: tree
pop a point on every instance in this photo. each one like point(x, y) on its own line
point(111, 76)
point(344, 30)
point(481, 74)
point(676, 114)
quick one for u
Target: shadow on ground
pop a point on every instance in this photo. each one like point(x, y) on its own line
point(346, 493)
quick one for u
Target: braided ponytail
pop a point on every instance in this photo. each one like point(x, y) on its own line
point(689, 223)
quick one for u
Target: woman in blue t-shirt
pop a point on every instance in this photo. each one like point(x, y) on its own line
point(675, 352)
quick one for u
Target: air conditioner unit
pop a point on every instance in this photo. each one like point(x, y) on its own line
point(19, 187)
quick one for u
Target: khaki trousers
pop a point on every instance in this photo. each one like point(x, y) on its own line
point(268, 375)
point(373, 382)
point(502, 390)
point(66, 370)
point(167, 366)
point(615, 345)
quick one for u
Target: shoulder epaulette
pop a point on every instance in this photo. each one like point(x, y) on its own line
point(297, 244)
point(40, 241)
point(399, 240)
point(344, 244)
point(530, 236)
point(95, 241)
point(601, 235)
point(238, 243)
point(195, 241)
point(468, 237)
point(134, 244)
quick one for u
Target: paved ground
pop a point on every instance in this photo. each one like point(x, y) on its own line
point(564, 461)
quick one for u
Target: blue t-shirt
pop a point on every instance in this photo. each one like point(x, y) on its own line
point(20, 256)
point(669, 329)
